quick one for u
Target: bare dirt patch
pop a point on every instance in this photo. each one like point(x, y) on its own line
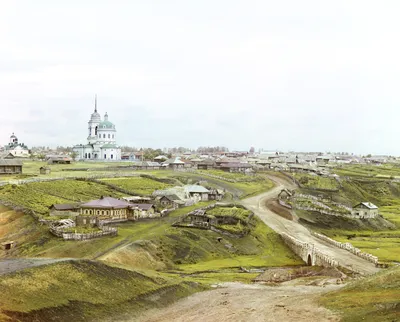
point(242, 302)
point(274, 206)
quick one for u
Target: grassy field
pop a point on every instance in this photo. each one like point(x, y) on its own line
point(85, 290)
point(310, 181)
point(39, 196)
point(364, 170)
point(31, 169)
point(138, 185)
point(375, 298)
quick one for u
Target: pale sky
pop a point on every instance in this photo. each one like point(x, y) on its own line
point(287, 75)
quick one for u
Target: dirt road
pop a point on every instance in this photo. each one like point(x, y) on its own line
point(293, 228)
point(242, 302)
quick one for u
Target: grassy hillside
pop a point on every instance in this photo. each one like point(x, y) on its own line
point(379, 236)
point(138, 185)
point(375, 298)
point(84, 290)
point(39, 196)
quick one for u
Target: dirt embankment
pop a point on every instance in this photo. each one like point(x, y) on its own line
point(274, 206)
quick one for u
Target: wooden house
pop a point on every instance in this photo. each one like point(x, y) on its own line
point(10, 166)
point(61, 159)
point(235, 167)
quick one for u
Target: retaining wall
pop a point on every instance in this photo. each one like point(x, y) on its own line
point(306, 250)
point(349, 247)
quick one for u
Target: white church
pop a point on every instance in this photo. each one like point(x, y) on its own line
point(101, 141)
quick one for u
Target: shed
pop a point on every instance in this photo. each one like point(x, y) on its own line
point(8, 245)
point(45, 170)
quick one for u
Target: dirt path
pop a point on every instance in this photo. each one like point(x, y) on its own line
point(293, 228)
point(18, 264)
point(242, 302)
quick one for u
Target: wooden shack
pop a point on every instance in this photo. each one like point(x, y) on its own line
point(45, 170)
point(10, 166)
point(8, 245)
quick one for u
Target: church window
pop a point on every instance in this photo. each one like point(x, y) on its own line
point(104, 136)
point(95, 130)
point(111, 156)
point(113, 136)
point(105, 156)
point(108, 135)
point(89, 155)
point(85, 155)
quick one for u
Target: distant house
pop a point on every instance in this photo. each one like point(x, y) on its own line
point(285, 194)
point(197, 192)
point(132, 156)
point(205, 165)
point(323, 159)
point(8, 166)
point(6, 155)
point(150, 165)
point(171, 201)
point(71, 209)
point(174, 163)
point(365, 210)
point(235, 167)
point(45, 170)
point(160, 158)
point(142, 210)
point(59, 159)
point(216, 194)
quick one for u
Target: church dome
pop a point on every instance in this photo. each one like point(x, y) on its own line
point(106, 124)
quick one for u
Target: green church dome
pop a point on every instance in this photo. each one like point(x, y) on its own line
point(106, 125)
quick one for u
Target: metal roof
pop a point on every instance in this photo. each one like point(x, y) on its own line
point(196, 189)
point(10, 162)
point(369, 205)
point(106, 202)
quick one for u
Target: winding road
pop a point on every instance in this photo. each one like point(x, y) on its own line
point(295, 229)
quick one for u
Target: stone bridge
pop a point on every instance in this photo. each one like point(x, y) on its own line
point(310, 254)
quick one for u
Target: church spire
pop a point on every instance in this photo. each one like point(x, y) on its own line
point(95, 103)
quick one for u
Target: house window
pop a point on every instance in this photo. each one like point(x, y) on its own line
point(104, 136)
point(105, 156)
point(102, 212)
point(89, 155)
point(111, 156)
point(109, 136)
point(113, 136)
point(98, 212)
point(85, 155)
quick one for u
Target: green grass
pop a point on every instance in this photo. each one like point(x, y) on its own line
point(236, 212)
point(39, 196)
point(317, 182)
point(230, 175)
point(138, 185)
point(375, 298)
point(82, 290)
